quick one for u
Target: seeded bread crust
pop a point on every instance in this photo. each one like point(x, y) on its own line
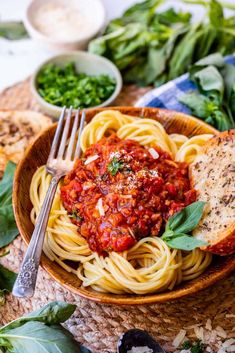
point(17, 131)
point(213, 176)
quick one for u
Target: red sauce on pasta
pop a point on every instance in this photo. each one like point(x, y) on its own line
point(120, 192)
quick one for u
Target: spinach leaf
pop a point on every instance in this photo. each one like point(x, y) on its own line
point(7, 279)
point(8, 229)
point(180, 224)
point(13, 30)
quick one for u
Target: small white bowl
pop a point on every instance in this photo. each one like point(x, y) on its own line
point(93, 10)
point(85, 62)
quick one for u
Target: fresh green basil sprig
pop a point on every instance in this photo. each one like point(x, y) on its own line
point(151, 46)
point(179, 226)
point(40, 331)
point(214, 100)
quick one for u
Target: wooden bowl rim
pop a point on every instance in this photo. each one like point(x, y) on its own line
point(126, 299)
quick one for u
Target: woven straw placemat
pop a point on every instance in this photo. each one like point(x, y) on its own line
point(98, 326)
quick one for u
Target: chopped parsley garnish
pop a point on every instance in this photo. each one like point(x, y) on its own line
point(65, 86)
point(75, 215)
point(115, 165)
point(196, 347)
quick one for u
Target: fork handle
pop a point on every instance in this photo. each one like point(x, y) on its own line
point(26, 280)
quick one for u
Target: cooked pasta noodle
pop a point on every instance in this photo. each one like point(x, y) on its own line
point(150, 265)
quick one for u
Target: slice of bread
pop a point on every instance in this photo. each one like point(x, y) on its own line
point(212, 174)
point(17, 131)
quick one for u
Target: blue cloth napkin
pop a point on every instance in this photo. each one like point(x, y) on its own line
point(166, 95)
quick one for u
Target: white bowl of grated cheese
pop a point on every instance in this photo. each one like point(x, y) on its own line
point(63, 24)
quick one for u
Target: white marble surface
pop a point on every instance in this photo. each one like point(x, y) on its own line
point(18, 59)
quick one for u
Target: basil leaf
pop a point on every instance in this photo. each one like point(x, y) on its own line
point(209, 79)
point(13, 30)
point(184, 242)
point(8, 229)
point(216, 14)
point(183, 54)
point(204, 45)
point(7, 278)
point(215, 59)
point(52, 313)
point(37, 337)
point(191, 217)
point(141, 12)
point(200, 105)
point(181, 223)
point(174, 221)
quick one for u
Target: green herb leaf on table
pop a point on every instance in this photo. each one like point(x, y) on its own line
point(7, 280)
point(41, 331)
point(215, 81)
point(179, 226)
point(13, 30)
point(38, 337)
point(8, 229)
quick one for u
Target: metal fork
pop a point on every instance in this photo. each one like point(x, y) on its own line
point(58, 164)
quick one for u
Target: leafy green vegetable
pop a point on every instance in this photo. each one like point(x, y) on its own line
point(40, 331)
point(7, 280)
point(180, 224)
point(215, 102)
point(13, 30)
point(65, 87)
point(8, 229)
point(115, 165)
point(152, 47)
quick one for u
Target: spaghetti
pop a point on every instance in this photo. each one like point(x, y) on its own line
point(150, 265)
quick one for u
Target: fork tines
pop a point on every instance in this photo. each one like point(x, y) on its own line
point(61, 148)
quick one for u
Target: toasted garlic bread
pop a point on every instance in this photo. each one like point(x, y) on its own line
point(17, 131)
point(213, 176)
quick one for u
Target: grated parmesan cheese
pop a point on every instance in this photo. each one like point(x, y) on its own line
point(91, 159)
point(100, 207)
point(153, 153)
point(143, 349)
point(179, 338)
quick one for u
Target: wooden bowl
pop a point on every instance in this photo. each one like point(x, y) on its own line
point(36, 155)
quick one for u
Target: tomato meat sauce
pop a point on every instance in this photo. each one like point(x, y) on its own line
point(120, 192)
